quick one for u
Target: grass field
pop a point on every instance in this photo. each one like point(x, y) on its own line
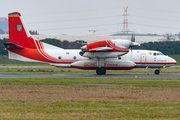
point(79, 98)
point(76, 98)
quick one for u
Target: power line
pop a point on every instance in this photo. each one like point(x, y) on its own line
point(155, 26)
point(76, 19)
point(77, 11)
point(155, 18)
point(78, 27)
point(94, 18)
point(113, 24)
point(156, 10)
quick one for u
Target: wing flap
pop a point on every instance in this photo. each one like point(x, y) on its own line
point(101, 49)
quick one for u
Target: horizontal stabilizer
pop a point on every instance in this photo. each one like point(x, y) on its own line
point(12, 46)
point(100, 49)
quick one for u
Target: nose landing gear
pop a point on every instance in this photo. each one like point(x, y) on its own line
point(157, 72)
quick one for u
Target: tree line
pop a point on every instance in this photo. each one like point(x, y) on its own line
point(166, 47)
point(2, 51)
point(62, 44)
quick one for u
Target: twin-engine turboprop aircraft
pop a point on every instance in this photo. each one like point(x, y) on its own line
point(100, 56)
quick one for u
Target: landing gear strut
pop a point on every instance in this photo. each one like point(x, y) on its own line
point(100, 71)
point(157, 72)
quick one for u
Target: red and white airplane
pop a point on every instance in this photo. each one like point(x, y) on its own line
point(100, 56)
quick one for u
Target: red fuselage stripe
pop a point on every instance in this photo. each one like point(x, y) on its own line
point(106, 68)
point(155, 63)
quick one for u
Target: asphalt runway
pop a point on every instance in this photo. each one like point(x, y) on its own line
point(87, 76)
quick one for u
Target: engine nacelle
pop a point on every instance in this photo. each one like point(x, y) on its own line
point(107, 48)
point(107, 43)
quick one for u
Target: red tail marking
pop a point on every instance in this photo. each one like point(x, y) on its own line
point(17, 32)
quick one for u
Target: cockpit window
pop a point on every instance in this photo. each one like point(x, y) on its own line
point(158, 53)
point(161, 53)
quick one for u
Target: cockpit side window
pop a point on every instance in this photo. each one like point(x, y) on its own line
point(159, 53)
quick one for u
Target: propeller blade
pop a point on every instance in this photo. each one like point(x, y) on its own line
point(133, 37)
point(133, 43)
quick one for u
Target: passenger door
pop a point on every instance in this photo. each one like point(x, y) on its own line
point(143, 58)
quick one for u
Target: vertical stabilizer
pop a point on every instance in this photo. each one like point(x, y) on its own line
point(17, 32)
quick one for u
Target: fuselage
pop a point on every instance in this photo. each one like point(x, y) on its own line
point(66, 57)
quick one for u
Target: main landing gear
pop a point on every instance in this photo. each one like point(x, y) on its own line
point(100, 71)
point(157, 72)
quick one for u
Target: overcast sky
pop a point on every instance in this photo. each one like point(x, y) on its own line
point(77, 17)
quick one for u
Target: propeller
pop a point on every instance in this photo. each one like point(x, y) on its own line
point(133, 37)
point(133, 43)
point(132, 40)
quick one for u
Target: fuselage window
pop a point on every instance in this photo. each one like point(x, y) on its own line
point(59, 57)
point(74, 57)
point(154, 54)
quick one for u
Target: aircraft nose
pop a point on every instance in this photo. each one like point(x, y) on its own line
point(172, 61)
